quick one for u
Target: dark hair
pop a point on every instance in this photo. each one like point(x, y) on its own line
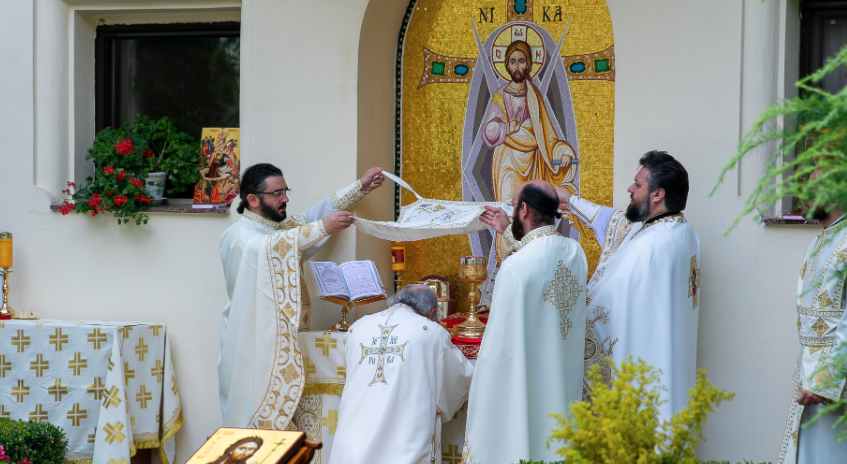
point(223, 457)
point(665, 172)
point(253, 181)
point(545, 207)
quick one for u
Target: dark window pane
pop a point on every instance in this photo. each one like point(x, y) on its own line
point(192, 80)
point(834, 38)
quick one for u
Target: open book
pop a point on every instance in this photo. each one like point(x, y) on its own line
point(351, 281)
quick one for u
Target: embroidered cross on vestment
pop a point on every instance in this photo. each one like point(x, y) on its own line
point(382, 351)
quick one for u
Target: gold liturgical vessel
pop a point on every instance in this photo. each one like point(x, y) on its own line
point(474, 271)
point(6, 311)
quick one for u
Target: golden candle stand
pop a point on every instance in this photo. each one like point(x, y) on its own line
point(343, 325)
point(6, 311)
point(474, 271)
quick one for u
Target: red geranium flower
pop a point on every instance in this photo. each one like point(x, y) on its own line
point(125, 147)
point(108, 170)
point(122, 175)
point(136, 182)
point(148, 153)
point(67, 207)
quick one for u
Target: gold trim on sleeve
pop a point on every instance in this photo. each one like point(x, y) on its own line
point(354, 194)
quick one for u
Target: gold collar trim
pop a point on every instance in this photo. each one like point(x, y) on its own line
point(538, 233)
point(678, 217)
point(263, 221)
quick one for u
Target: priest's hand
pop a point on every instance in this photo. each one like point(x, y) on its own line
point(808, 398)
point(564, 196)
point(496, 218)
point(337, 221)
point(373, 179)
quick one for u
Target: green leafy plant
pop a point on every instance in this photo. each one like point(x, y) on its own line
point(621, 424)
point(32, 442)
point(123, 158)
point(816, 116)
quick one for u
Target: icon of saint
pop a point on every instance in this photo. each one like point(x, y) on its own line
point(518, 127)
point(240, 451)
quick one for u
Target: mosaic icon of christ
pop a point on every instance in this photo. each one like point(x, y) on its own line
point(518, 127)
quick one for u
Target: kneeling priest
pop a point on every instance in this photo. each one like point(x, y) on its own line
point(404, 379)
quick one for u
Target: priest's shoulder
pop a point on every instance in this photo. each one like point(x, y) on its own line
point(243, 230)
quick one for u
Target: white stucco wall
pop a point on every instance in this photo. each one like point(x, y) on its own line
point(691, 76)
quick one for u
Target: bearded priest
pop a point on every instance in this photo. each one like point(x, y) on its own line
point(531, 359)
point(819, 378)
point(260, 369)
point(643, 296)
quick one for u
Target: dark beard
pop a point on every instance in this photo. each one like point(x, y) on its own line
point(517, 76)
point(268, 212)
point(637, 212)
point(819, 213)
point(518, 230)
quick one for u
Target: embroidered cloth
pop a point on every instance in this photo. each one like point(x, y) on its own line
point(427, 218)
point(110, 386)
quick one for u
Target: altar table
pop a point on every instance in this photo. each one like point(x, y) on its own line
point(326, 373)
point(109, 385)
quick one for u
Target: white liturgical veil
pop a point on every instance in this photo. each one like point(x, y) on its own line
point(429, 218)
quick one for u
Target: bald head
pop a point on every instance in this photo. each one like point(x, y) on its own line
point(541, 199)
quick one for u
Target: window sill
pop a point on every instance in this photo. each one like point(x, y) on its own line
point(775, 221)
point(174, 209)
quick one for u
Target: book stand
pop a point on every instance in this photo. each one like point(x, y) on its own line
point(343, 325)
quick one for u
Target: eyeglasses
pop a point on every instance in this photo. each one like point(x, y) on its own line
point(276, 193)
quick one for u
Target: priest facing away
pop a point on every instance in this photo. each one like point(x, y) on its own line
point(643, 297)
point(822, 328)
point(404, 379)
point(260, 369)
point(531, 360)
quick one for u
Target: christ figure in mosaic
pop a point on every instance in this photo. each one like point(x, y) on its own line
point(518, 127)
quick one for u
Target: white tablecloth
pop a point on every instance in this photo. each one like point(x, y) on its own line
point(109, 385)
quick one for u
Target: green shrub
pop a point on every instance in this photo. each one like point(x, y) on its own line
point(42, 443)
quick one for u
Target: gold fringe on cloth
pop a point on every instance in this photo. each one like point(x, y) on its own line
point(89, 461)
point(147, 444)
point(169, 433)
point(333, 388)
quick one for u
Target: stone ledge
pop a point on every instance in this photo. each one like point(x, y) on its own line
point(775, 221)
point(173, 209)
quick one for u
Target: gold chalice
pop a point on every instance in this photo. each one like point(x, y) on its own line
point(474, 271)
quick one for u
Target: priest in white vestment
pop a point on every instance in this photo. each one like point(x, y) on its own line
point(531, 360)
point(404, 379)
point(260, 369)
point(819, 377)
point(643, 298)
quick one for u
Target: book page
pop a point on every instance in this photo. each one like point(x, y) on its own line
point(362, 279)
point(328, 279)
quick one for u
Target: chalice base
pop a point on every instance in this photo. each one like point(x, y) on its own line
point(471, 328)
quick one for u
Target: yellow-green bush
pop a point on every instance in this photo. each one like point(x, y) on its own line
point(621, 424)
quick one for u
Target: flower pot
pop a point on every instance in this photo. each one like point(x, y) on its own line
point(157, 192)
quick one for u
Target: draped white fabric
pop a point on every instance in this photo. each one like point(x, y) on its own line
point(531, 360)
point(426, 218)
point(404, 379)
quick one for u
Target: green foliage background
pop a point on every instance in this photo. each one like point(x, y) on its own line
point(40, 443)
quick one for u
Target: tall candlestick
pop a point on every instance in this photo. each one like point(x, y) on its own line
point(5, 249)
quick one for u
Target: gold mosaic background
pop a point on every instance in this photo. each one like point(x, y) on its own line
point(433, 115)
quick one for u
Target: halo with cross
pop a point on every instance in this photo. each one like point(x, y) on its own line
point(518, 31)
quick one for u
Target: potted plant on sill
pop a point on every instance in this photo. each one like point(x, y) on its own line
point(131, 165)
